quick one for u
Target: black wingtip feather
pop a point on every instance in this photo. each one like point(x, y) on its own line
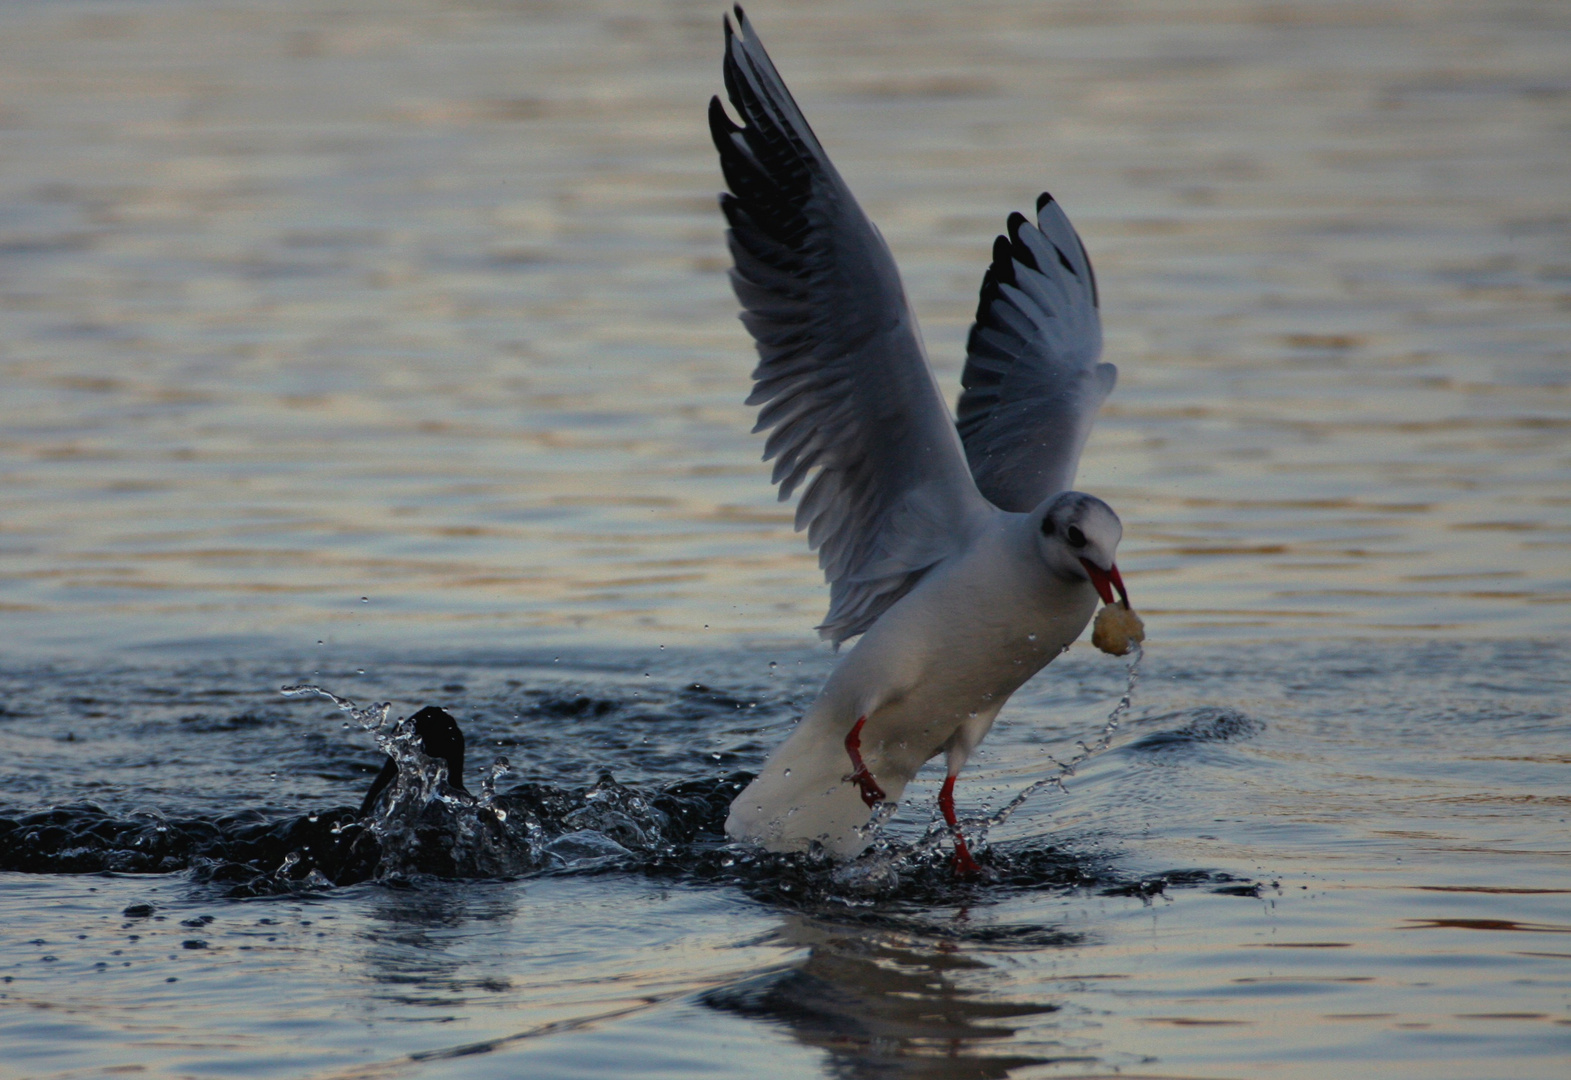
point(985, 300)
point(1021, 252)
point(786, 254)
point(1002, 271)
point(1042, 200)
point(721, 126)
point(1003, 261)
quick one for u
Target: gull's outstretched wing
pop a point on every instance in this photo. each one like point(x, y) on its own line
point(1032, 381)
point(842, 377)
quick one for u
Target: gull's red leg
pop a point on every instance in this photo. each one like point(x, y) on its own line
point(965, 865)
point(872, 794)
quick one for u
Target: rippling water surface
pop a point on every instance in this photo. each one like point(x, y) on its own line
point(388, 347)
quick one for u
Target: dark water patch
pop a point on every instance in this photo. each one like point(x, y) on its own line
point(683, 739)
point(1153, 885)
point(574, 707)
point(167, 736)
point(202, 724)
point(1203, 725)
point(247, 851)
point(674, 833)
point(1254, 890)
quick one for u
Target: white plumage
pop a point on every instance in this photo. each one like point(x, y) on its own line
point(956, 552)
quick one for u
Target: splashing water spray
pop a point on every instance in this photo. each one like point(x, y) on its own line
point(879, 869)
point(422, 808)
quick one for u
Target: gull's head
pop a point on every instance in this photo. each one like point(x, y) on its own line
point(1078, 537)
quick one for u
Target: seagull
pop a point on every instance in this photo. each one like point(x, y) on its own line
point(954, 548)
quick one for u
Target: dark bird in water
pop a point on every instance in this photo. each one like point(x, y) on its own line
point(441, 738)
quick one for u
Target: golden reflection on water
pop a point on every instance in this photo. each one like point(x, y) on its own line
point(425, 302)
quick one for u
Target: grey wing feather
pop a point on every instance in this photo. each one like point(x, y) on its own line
point(1032, 381)
point(842, 382)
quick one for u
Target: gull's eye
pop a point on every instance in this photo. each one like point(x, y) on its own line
point(1077, 539)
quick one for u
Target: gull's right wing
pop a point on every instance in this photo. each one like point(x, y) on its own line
point(842, 378)
point(1032, 381)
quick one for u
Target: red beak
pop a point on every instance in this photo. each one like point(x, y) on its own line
point(1105, 581)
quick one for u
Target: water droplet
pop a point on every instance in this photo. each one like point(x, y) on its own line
point(788, 772)
point(365, 599)
point(1030, 637)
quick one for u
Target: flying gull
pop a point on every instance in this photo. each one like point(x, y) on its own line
point(955, 549)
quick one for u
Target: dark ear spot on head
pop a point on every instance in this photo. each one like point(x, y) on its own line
point(1077, 539)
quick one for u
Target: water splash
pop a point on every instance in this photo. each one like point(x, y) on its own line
point(672, 831)
point(371, 718)
point(424, 822)
point(1101, 744)
point(878, 869)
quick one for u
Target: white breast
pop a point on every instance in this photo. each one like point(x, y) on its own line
point(947, 656)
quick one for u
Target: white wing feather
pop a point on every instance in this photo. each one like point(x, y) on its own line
point(843, 383)
point(1032, 381)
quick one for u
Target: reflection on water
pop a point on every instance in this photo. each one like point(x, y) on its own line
point(425, 303)
point(419, 944)
point(888, 1008)
point(388, 346)
point(1301, 857)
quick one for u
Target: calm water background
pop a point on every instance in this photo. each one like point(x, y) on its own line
point(389, 345)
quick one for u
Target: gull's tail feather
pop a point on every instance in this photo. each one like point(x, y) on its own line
point(802, 796)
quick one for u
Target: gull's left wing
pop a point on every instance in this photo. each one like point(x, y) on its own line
point(842, 379)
